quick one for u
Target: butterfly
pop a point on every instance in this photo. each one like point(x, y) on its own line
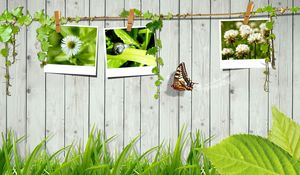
point(181, 80)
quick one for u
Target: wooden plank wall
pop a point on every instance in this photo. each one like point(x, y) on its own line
point(223, 103)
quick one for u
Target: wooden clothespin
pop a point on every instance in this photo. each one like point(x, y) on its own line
point(130, 20)
point(57, 20)
point(248, 12)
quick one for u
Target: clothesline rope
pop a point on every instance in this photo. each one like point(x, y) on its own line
point(181, 16)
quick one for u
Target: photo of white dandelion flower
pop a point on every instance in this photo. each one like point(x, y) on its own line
point(73, 50)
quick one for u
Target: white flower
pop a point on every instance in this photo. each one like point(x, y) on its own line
point(264, 30)
point(242, 50)
point(245, 31)
point(230, 36)
point(227, 51)
point(253, 24)
point(256, 30)
point(238, 24)
point(255, 38)
point(70, 45)
point(263, 27)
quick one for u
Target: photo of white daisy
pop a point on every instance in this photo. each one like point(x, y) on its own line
point(244, 45)
point(73, 50)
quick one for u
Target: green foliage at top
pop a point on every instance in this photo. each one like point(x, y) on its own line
point(285, 133)
point(250, 154)
point(95, 158)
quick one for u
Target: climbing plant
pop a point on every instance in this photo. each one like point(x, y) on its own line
point(12, 21)
point(10, 24)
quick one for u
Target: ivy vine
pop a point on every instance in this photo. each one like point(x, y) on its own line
point(10, 24)
point(12, 21)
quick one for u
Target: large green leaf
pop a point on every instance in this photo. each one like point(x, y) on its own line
point(249, 155)
point(5, 33)
point(125, 37)
point(135, 55)
point(285, 133)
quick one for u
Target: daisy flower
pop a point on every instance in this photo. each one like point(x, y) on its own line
point(227, 52)
point(70, 45)
point(255, 38)
point(245, 31)
point(242, 50)
point(230, 36)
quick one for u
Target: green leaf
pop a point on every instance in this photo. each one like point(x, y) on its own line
point(152, 51)
point(155, 70)
point(148, 15)
point(294, 9)
point(157, 82)
point(160, 61)
point(8, 63)
point(5, 33)
point(285, 133)
point(156, 96)
point(158, 43)
point(135, 55)
point(154, 25)
point(4, 52)
point(169, 16)
point(25, 20)
point(6, 16)
point(125, 37)
point(269, 25)
point(39, 14)
point(124, 13)
point(42, 56)
point(17, 12)
point(137, 12)
point(77, 19)
point(248, 155)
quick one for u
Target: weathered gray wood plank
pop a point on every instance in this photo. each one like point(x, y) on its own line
point(281, 78)
point(35, 84)
point(168, 97)
point(149, 106)
point(258, 99)
point(132, 102)
point(55, 96)
point(185, 55)
point(201, 69)
point(114, 97)
point(219, 81)
point(76, 88)
point(296, 62)
point(16, 103)
point(239, 89)
point(97, 84)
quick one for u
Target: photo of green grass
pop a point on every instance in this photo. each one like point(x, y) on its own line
point(74, 45)
point(125, 50)
point(244, 41)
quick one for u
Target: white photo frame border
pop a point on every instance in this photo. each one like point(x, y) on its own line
point(126, 71)
point(239, 64)
point(73, 69)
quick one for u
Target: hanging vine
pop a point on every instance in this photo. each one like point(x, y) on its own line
point(12, 21)
point(10, 24)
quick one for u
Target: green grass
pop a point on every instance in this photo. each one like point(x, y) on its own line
point(95, 158)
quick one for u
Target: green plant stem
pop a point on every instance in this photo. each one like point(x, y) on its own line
point(7, 74)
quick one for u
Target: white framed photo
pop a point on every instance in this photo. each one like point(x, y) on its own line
point(244, 46)
point(126, 52)
point(73, 50)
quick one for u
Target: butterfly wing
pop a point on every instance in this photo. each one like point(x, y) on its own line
point(178, 82)
point(188, 83)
